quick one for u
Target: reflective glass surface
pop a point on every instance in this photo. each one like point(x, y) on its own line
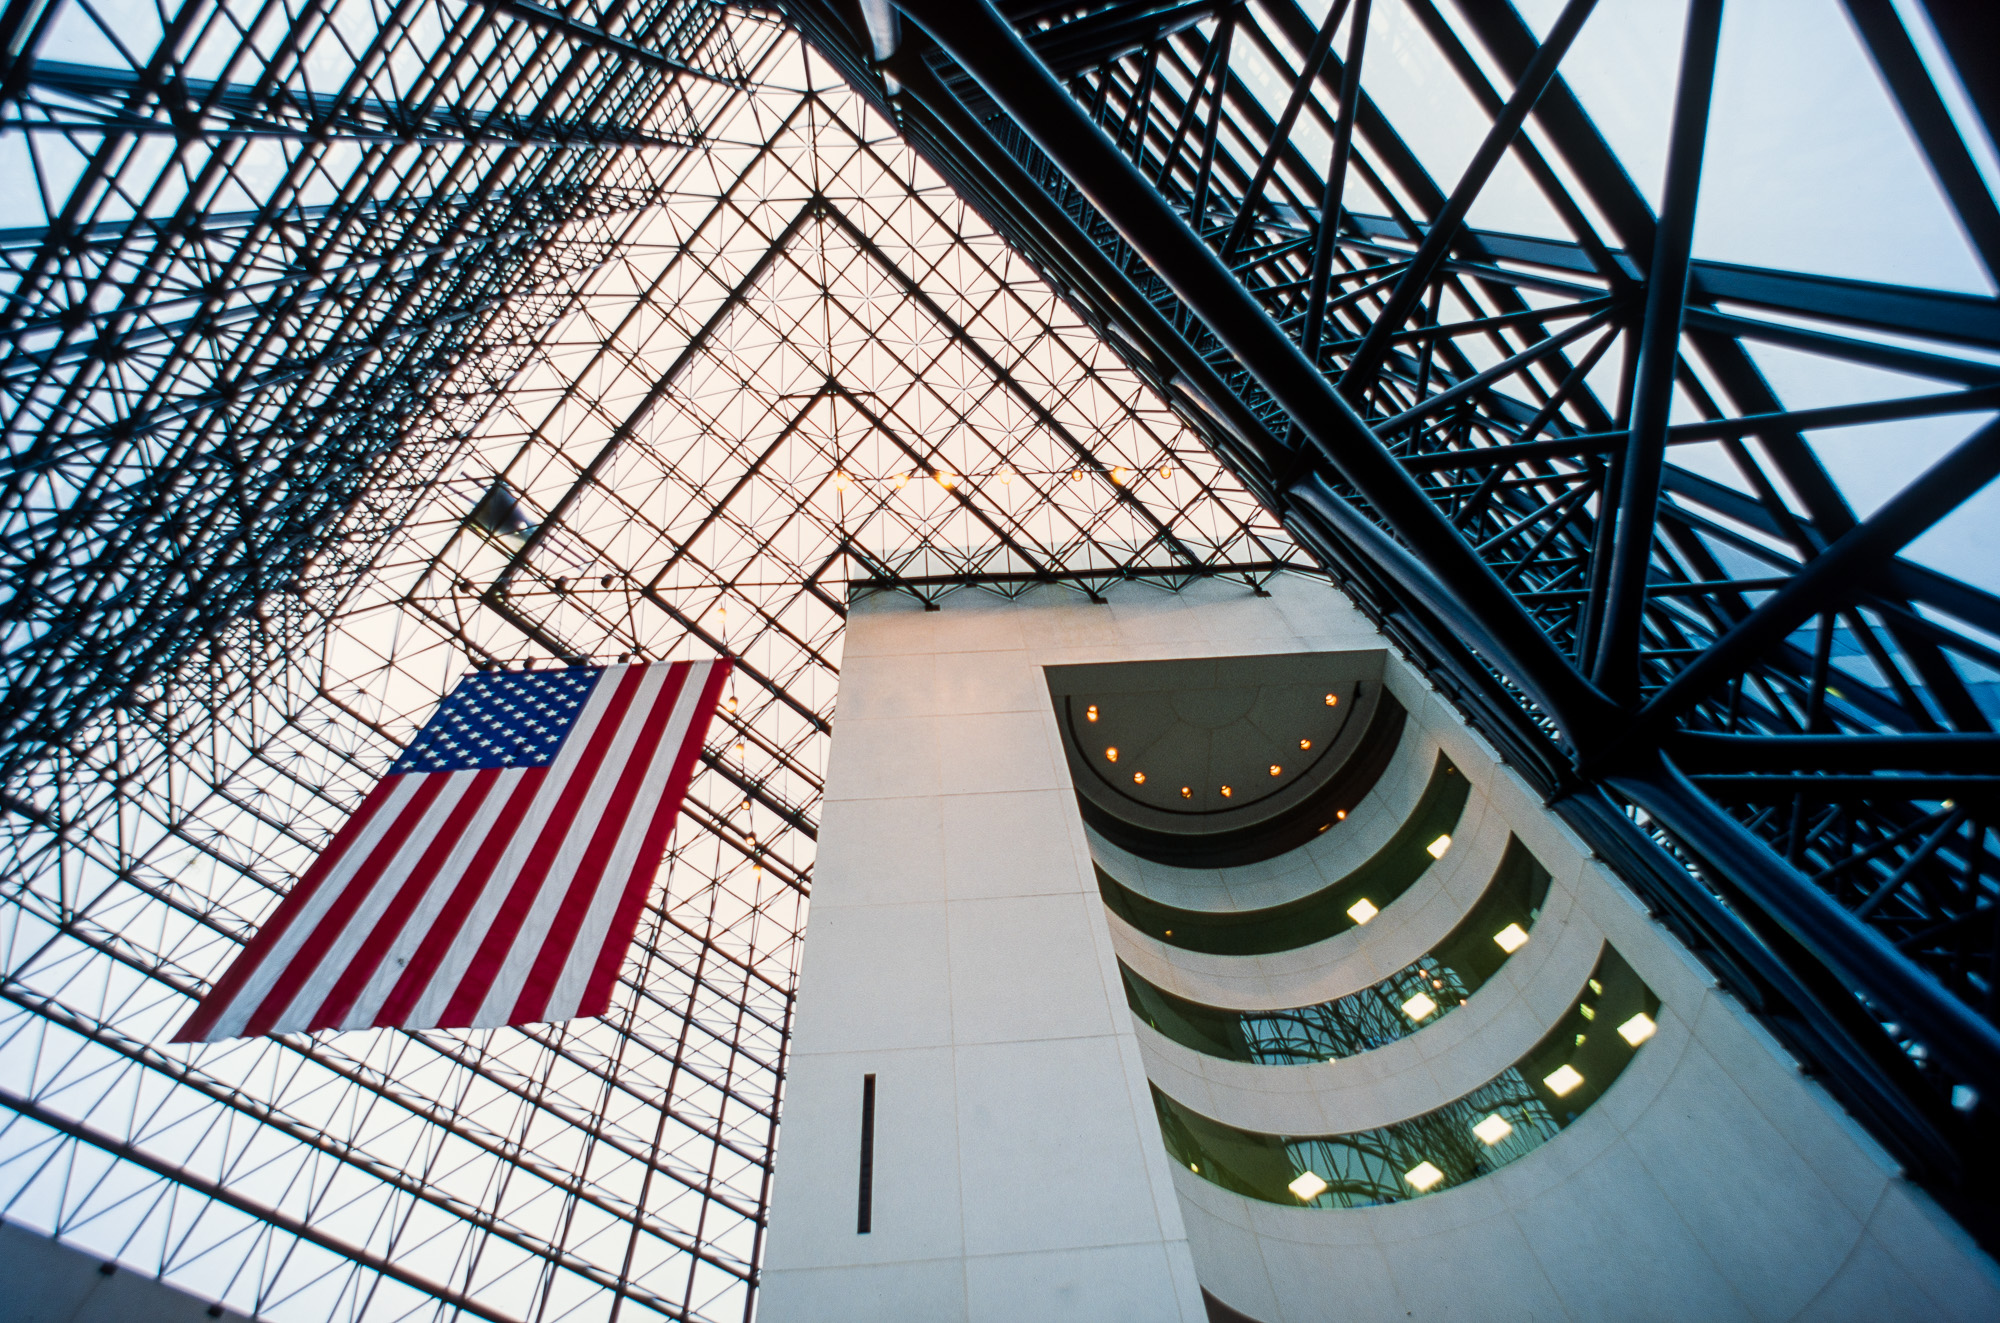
point(1515, 1113)
point(1417, 995)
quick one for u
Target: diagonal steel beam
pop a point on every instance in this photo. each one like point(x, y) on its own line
point(987, 47)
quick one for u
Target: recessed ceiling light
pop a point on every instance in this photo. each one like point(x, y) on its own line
point(1423, 1176)
point(1276, 770)
point(1493, 1129)
point(1305, 744)
point(1111, 754)
point(1340, 815)
point(1361, 911)
point(1637, 1029)
point(1438, 847)
point(1511, 938)
point(1090, 713)
point(1308, 1186)
point(1563, 1080)
point(1419, 1006)
point(1333, 700)
point(1138, 778)
point(1187, 792)
point(1227, 792)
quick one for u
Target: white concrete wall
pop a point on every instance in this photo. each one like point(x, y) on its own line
point(958, 951)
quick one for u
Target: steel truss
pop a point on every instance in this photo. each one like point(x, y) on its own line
point(1776, 725)
point(295, 438)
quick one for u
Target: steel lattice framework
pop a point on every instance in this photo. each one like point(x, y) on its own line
point(353, 346)
point(353, 341)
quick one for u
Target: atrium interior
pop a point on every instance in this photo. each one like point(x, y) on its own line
point(1597, 397)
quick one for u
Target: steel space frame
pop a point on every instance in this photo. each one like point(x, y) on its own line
point(243, 395)
point(1775, 726)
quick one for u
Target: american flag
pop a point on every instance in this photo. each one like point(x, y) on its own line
point(496, 874)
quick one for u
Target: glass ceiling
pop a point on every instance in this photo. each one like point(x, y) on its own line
point(756, 370)
point(355, 343)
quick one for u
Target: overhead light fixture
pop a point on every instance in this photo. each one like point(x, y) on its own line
point(1597, 987)
point(947, 479)
point(732, 702)
point(1227, 792)
point(1187, 792)
point(1437, 847)
point(1166, 470)
point(1118, 474)
point(1423, 1176)
point(1493, 1129)
point(1006, 474)
point(1090, 713)
point(902, 479)
point(1138, 778)
point(1587, 1011)
point(1511, 938)
point(1276, 770)
point(1305, 744)
point(1638, 1029)
point(1419, 1006)
point(840, 480)
point(1333, 700)
point(1562, 1080)
point(1308, 1186)
point(739, 747)
point(1340, 815)
point(1076, 475)
point(1361, 911)
point(1111, 754)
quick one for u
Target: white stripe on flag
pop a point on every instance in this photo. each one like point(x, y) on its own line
point(389, 879)
point(396, 958)
point(233, 1020)
point(567, 996)
point(505, 993)
point(472, 935)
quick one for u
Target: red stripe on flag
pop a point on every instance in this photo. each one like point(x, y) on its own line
point(306, 959)
point(532, 1005)
point(625, 920)
point(470, 996)
point(416, 980)
point(225, 989)
point(369, 955)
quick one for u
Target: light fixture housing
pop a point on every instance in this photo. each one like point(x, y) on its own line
point(1436, 849)
point(1361, 911)
point(1638, 1029)
point(1138, 778)
point(1111, 754)
point(1307, 1186)
point(1511, 938)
